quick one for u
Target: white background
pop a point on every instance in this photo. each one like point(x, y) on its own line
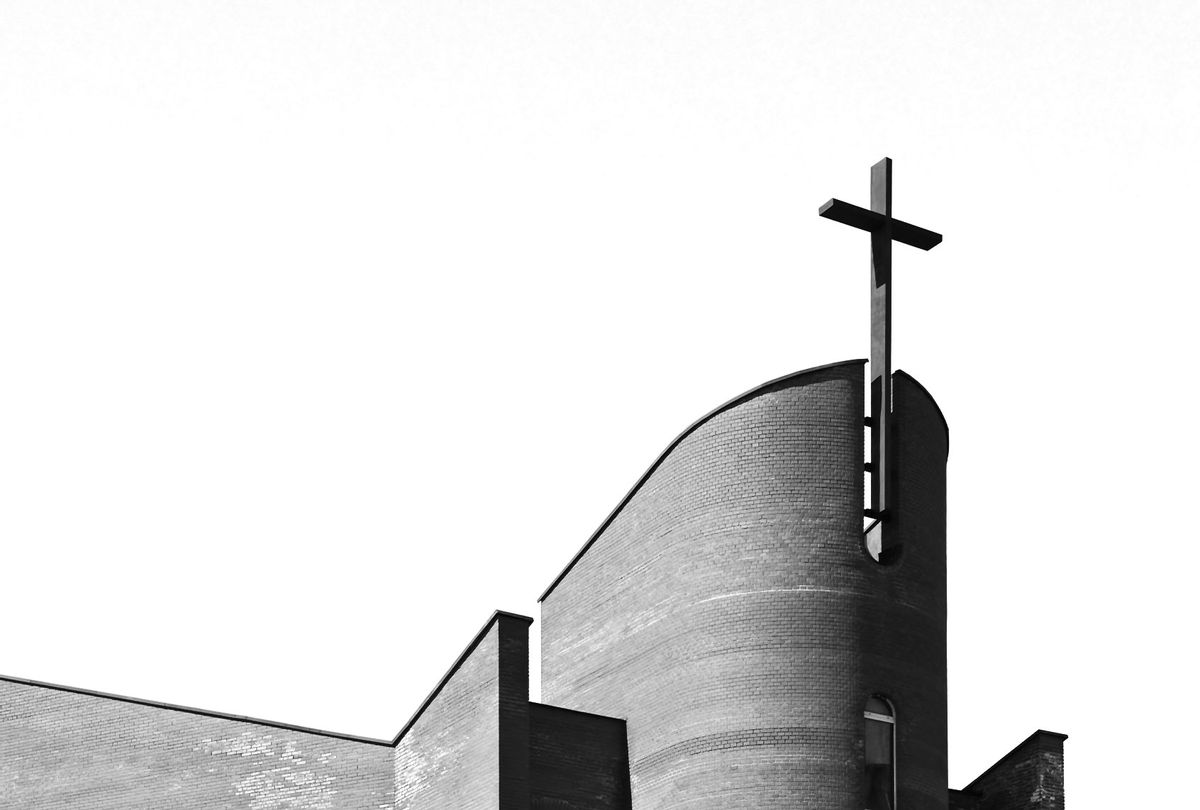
point(328, 328)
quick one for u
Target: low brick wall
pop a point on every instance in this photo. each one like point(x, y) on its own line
point(578, 761)
point(62, 748)
point(467, 747)
point(1030, 777)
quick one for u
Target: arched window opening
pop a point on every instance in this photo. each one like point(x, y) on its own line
point(880, 738)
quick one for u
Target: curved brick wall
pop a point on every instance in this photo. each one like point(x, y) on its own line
point(728, 611)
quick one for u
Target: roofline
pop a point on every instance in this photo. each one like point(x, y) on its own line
point(466, 653)
point(189, 710)
point(154, 704)
point(753, 392)
point(1055, 734)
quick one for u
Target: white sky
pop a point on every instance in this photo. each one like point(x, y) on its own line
point(328, 328)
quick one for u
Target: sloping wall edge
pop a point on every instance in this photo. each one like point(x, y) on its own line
point(738, 400)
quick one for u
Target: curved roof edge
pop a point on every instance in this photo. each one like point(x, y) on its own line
point(738, 400)
point(932, 401)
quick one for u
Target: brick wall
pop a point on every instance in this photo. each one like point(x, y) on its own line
point(730, 614)
point(1030, 777)
point(61, 748)
point(964, 800)
point(726, 612)
point(468, 746)
point(578, 761)
point(903, 630)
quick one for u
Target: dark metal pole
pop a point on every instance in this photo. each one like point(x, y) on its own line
point(881, 336)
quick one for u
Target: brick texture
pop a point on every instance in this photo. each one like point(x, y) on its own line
point(904, 623)
point(964, 800)
point(731, 615)
point(1030, 777)
point(468, 747)
point(578, 761)
point(65, 749)
point(475, 725)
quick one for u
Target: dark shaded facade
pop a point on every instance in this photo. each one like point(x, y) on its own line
point(724, 640)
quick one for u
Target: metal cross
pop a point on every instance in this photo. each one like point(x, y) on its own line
point(878, 221)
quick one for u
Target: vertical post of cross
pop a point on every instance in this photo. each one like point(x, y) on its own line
point(881, 337)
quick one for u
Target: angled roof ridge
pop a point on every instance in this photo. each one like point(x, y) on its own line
point(1039, 733)
point(173, 707)
point(458, 662)
point(740, 398)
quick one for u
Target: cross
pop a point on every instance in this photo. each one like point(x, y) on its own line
point(884, 229)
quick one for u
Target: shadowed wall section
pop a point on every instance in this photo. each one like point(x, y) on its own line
point(729, 612)
point(903, 606)
point(578, 761)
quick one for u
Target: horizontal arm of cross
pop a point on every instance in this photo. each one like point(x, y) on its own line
point(868, 220)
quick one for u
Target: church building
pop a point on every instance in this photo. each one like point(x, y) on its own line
point(729, 637)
